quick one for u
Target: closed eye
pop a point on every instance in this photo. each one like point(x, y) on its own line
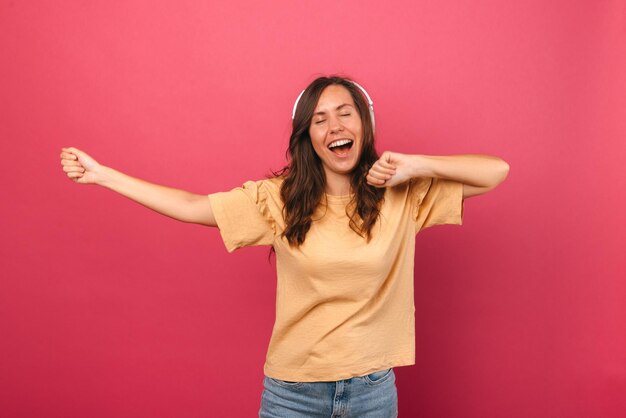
point(320, 121)
point(346, 114)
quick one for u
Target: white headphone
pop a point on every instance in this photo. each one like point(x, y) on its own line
point(369, 101)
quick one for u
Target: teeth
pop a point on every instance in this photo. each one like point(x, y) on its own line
point(339, 143)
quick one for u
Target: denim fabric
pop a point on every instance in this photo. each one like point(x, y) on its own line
point(370, 396)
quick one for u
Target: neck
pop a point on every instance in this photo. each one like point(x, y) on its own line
point(337, 184)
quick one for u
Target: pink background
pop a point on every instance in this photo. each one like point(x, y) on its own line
point(108, 309)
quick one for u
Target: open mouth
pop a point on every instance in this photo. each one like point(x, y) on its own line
point(340, 146)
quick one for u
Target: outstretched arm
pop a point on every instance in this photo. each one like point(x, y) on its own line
point(174, 203)
point(478, 173)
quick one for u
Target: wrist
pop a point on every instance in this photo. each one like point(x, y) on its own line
point(421, 166)
point(103, 175)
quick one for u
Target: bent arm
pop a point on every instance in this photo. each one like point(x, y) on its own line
point(478, 173)
point(174, 203)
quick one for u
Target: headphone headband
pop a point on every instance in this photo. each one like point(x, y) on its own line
point(370, 103)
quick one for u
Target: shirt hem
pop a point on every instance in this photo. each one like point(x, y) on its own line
point(330, 374)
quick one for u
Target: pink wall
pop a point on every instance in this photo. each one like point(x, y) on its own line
point(108, 309)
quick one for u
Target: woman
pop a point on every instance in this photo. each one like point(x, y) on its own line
point(342, 221)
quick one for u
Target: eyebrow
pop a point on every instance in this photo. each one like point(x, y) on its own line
point(337, 108)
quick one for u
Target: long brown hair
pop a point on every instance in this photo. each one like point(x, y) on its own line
point(304, 178)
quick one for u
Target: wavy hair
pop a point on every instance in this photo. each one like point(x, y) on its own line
point(304, 178)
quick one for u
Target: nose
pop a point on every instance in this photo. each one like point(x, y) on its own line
point(335, 124)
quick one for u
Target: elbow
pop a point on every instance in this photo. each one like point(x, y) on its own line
point(499, 171)
point(505, 170)
point(502, 172)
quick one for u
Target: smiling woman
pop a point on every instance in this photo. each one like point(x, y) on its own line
point(342, 221)
point(331, 150)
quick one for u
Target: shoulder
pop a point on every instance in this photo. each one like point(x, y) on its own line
point(270, 186)
point(265, 191)
point(411, 191)
point(410, 187)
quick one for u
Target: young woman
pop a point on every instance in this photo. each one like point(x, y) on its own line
point(342, 221)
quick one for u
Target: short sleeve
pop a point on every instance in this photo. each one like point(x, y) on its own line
point(437, 201)
point(243, 217)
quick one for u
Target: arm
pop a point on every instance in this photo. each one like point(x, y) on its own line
point(478, 173)
point(174, 203)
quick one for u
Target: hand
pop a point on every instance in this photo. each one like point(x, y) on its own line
point(391, 168)
point(79, 166)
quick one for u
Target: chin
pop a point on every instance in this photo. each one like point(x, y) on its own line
point(349, 170)
point(343, 168)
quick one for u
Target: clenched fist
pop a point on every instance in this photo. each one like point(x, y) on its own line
point(79, 166)
point(393, 168)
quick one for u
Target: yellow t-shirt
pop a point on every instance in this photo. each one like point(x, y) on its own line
point(344, 307)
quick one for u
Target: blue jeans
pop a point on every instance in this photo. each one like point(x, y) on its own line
point(370, 396)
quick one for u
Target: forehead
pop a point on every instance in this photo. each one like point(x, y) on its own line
point(333, 96)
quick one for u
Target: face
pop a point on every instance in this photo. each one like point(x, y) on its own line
point(336, 130)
